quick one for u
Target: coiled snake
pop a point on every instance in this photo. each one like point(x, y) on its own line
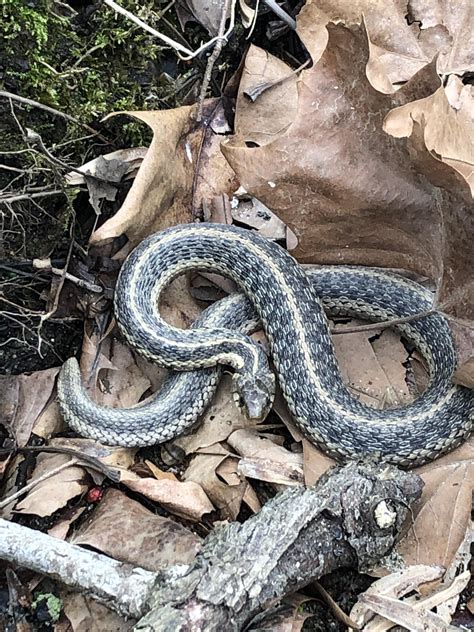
point(289, 304)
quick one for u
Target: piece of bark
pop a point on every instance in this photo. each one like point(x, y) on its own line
point(350, 518)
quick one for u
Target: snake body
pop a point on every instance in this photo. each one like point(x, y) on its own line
point(290, 306)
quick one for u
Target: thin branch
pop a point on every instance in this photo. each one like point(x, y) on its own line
point(283, 15)
point(33, 138)
point(45, 264)
point(8, 168)
point(121, 586)
point(384, 324)
point(212, 59)
point(183, 52)
point(21, 492)
point(29, 196)
point(81, 457)
point(47, 108)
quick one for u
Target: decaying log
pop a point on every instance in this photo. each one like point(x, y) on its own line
point(351, 517)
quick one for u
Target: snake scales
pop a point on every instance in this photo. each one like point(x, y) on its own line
point(289, 304)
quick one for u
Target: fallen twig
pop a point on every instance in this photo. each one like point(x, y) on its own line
point(83, 458)
point(183, 52)
point(33, 483)
point(47, 108)
point(29, 196)
point(45, 264)
point(283, 15)
point(383, 324)
point(122, 586)
point(213, 58)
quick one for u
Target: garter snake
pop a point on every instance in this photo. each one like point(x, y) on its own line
point(290, 306)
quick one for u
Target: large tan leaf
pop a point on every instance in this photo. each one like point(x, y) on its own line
point(170, 182)
point(350, 192)
point(403, 37)
point(447, 118)
point(183, 498)
point(226, 492)
point(24, 399)
point(442, 516)
point(54, 492)
point(125, 530)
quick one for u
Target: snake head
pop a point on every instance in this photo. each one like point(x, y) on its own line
point(254, 395)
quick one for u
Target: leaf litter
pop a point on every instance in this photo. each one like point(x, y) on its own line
point(367, 134)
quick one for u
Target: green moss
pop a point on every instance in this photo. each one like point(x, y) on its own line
point(87, 63)
point(53, 605)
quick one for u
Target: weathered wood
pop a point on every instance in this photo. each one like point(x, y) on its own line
point(349, 518)
point(120, 586)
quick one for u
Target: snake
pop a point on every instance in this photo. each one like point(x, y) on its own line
point(290, 304)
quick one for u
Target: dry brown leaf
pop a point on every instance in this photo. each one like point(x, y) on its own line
point(124, 384)
point(177, 305)
point(159, 474)
point(251, 499)
point(447, 126)
point(362, 371)
point(10, 484)
point(49, 422)
point(391, 354)
point(256, 215)
point(61, 528)
point(315, 463)
point(400, 47)
point(443, 514)
point(123, 529)
point(271, 471)
point(368, 198)
point(182, 498)
point(406, 615)
point(88, 615)
point(202, 470)
point(24, 398)
point(265, 460)
point(94, 352)
point(112, 374)
point(56, 491)
point(446, 26)
point(208, 14)
point(395, 585)
point(266, 69)
point(464, 339)
point(218, 422)
point(162, 194)
point(132, 156)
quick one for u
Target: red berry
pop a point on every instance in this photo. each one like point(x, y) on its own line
point(95, 494)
